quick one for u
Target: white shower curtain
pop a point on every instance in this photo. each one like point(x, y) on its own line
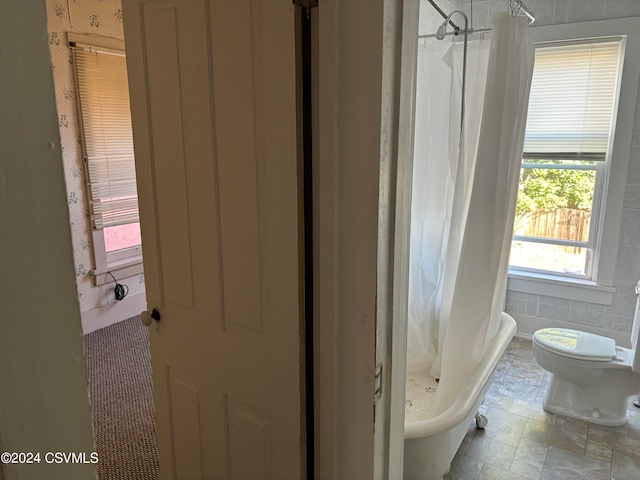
point(464, 202)
point(437, 159)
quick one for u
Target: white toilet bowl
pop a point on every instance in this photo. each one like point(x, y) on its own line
point(592, 377)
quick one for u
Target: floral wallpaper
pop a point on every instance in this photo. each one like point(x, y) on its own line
point(90, 17)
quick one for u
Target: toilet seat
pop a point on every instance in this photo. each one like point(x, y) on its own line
point(576, 344)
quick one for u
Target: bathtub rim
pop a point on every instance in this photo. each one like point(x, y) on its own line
point(466, 399)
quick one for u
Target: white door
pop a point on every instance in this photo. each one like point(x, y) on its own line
point(213, 99)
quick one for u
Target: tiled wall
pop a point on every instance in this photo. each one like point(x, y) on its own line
point(619, 315)
point(582, 313)
point(551, 12)
point(430, 20)
point(93, 17)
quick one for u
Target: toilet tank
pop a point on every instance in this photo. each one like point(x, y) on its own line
point(635, 331)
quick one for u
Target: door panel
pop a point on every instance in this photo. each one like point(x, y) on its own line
point(217, 164)
point(185, 399)
point(241, 73)
point(169, 163)
point(249, 438)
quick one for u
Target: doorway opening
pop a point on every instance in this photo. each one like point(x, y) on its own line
point(121, 394)
point(100, 179)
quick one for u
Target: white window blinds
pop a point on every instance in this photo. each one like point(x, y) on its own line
point(106, 123)
point(572, 100)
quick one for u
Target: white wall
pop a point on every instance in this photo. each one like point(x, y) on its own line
point(43, 397)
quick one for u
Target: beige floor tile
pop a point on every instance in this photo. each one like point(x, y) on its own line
point(491, 472)
point(522, 371)
point(614, 440)
point(515, 343)
point(503, 426)
point(467, 438)
point(525, 355)
point(572, 424)
point(526, 470)
point(491, 452)
point(522, 441)
point(633, 432)
point(599, 452)
point(625, 466)
point(501, 370)
point(563, 465)
point(465, 468)
point(515, 389)
point(624, 429)
point(497, 400)
point(526, 345)
point(531, 453)
point(554, 436)
point(532, 410)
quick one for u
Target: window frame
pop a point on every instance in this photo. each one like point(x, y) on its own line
point(122, 263)
point(600, 288)
point(597, 207)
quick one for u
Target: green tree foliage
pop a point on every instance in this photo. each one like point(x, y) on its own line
point(547, 189)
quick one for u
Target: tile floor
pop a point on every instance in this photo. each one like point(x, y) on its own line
point(522, 441)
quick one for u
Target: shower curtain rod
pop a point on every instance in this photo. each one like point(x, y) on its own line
point(515, 7)
point(459, 31)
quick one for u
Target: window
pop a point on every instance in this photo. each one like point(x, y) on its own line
point(103, 102)
point(574, 93)
point(577, 149)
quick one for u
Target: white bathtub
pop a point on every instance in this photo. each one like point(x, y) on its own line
point(431, 443)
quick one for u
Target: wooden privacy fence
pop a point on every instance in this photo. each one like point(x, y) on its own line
point(563, 223)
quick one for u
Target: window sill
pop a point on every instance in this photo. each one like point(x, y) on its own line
point(127, 267)
point(560, 287)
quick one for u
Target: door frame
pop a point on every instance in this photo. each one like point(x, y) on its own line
point(406, 120)
point(44, 405)
point(345, 234)
point(363, 97)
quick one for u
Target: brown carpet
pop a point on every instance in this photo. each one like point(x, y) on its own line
point(121, 393)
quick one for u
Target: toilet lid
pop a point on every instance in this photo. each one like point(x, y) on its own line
point(576, 344)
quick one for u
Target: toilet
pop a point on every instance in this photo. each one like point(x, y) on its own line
point(592, 377)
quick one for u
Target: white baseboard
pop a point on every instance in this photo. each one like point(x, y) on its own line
point(528, 325)
point(111, 313)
